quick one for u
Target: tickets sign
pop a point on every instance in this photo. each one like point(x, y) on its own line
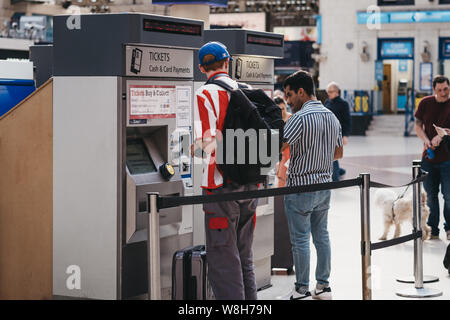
point(252, 69)
point(159, 62)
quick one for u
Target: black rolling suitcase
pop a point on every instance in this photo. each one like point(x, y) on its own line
point(189, 274)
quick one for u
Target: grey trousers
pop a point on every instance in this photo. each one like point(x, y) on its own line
point(229, 237)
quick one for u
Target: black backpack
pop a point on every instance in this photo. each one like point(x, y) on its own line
point(447, 259)
point(248, 109)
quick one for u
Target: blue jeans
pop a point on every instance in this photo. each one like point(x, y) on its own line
point(439, 175)
point(307, 213)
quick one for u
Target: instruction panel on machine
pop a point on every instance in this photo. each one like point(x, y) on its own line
point(157, 102)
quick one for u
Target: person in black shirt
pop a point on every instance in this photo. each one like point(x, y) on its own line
point(341, 110)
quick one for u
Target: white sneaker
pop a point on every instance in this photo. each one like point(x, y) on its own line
point(295, 295)
point(322, 293)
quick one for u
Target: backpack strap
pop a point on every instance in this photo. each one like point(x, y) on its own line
point(224, 85)
point(220, 83)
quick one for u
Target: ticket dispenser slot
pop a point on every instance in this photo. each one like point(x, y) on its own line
point(144, 155)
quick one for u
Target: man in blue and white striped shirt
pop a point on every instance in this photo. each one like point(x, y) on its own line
point(314, 137)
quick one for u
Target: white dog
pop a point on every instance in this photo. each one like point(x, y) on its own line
point(396, 211)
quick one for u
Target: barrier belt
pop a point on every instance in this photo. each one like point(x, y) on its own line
point(420, 178)
point(175, 201)
point(393, 242)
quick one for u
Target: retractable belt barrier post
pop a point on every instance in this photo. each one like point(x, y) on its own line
point(156, 203)
point(153, 249)
point(365, 237)
point(417, 225)
point(418, 291)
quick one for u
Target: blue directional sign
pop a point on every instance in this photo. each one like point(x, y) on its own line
point(395, 49)
point(404, 17)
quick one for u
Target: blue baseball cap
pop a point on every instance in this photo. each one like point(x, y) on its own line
point(217, 49)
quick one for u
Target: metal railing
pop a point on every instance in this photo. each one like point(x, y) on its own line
point(157, 203)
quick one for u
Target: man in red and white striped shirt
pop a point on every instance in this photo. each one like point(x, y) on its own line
point(229, 225)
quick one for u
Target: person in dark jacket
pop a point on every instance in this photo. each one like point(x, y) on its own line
point(341, 110)
point(447, 259)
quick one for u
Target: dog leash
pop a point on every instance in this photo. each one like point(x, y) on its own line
point(421, 175)
point(398, 198)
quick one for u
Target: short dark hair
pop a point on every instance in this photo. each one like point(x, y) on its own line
point(440, 79)
point(300, 79)
point(212, 66)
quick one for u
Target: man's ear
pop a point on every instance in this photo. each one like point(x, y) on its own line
point(201, 68)
point(301, 92)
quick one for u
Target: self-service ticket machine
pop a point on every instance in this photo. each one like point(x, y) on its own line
point(123, 93)
point(402, 94)
point(253, 56)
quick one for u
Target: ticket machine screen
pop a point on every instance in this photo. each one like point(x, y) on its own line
point(138, 159)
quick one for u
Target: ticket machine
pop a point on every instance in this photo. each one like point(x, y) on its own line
point(123, 93)
point(402, 94)
point(253, 55)
point(42, 57)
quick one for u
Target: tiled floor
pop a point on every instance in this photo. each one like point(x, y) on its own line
point(389, 161)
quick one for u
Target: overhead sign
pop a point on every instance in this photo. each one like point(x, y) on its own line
point(405, 17)
point(255, 69)
point(395, 49)
point(146, 61)
point(216, 3)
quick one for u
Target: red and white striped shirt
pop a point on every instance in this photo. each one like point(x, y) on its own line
point(210, 107)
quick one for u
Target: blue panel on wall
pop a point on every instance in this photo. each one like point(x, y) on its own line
point(12, 92)
point(379, 70)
